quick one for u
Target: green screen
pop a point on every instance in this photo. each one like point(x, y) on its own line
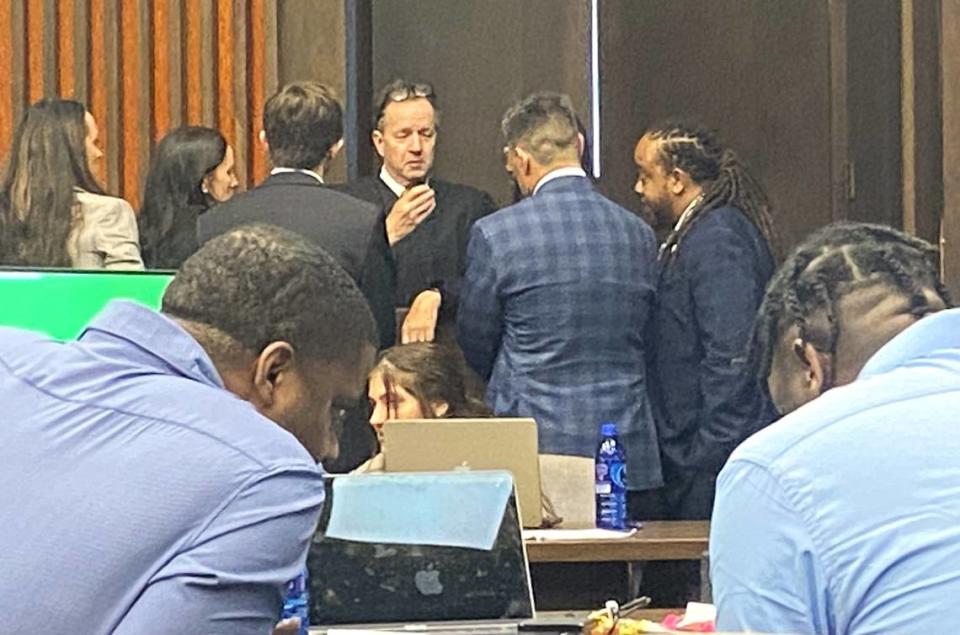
point(60, 303)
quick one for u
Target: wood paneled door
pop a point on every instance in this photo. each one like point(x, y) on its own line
point(143, 67)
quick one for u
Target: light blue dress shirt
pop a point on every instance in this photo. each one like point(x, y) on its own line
point(137, 495)
point(844, 516)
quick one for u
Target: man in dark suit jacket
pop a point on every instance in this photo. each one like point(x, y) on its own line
point(428, 220)
point(303, 130)
point(714, 267)
point(557, 293)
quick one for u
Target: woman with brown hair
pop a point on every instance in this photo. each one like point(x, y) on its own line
point(419, 381)
point(53, 213)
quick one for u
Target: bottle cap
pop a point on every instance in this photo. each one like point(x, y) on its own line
point(608, 429)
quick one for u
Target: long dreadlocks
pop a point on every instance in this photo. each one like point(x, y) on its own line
point(697, 150)
point(828, 265)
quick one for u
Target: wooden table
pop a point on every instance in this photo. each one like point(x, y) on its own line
point(680, 540)
point(656, 540)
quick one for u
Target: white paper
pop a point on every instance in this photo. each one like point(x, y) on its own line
point(552, 535)
point(698, 613)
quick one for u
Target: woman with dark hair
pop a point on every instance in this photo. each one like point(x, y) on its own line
point(192, 170)
point(419, 381)
point(53, 213)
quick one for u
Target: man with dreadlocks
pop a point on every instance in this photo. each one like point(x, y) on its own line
point(842, 517)
point(714, 266)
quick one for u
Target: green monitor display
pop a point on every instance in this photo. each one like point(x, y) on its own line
point(60, 302)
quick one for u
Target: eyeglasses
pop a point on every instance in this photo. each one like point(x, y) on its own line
point(409, 92)
point(403, 93)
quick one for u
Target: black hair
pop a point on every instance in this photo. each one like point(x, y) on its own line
point(48, 162)
point(173, 192)
point(829, 264)
point(260, 284)
point(302, 122)
point(698, 151)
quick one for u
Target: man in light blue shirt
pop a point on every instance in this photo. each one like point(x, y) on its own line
point(160, 473)
point(844, 516)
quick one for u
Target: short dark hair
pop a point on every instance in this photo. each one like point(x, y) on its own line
point(829, 264)
point(401, 90)
point(302, 121)
point(543, 124)
point(260, 284)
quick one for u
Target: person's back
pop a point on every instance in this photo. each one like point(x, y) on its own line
point(160, 472)
point(864, 484)
point(111, 487)
point(841, 516)
point(303, 130)
point(556, 297)
point(577, 296)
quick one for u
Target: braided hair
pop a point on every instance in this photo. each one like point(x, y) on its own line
point(697, 150)
point(828, 265)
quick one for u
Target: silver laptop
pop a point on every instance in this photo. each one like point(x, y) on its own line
point(443, 551)
point(432, 445)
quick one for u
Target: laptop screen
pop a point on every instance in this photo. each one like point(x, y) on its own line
point(364, 582)
point(61, 302)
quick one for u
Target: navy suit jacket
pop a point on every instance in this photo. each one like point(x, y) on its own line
point(707, 301)
point(556, 296)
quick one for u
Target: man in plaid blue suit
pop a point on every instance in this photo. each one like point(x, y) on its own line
point(556, 296)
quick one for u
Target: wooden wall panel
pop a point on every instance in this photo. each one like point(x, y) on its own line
point(256, 88)
point(35, 48)
point(950, 82)
point(66, 52)
point(130, 98)
point(6, 74)
point(193, 49)
point(160, 36)
point(142, 67)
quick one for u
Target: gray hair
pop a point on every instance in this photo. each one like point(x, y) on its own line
point(543, 124)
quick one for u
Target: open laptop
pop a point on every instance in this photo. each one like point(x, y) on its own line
point(432, 445)
point(455, 560)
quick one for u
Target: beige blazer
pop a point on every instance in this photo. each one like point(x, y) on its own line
point(105, 234)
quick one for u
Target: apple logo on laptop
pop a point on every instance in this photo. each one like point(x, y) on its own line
point(427, 581)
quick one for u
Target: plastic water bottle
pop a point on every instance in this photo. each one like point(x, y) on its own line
point(611, 480)
point(296, 602)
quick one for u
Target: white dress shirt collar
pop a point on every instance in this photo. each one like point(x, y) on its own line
point(393, 183)
point(298, 170)
point(559, 173)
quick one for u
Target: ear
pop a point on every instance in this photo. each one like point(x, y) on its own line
point(271, 370)
point(581, 144)
point(677, 181)
point(262, 137)
point(335, 149)
point(378, 141)
point(440, 408)
point(524, 160)
point(816, 376)
point(205, 184)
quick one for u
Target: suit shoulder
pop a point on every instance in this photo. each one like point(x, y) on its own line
point(460, 190)
point(364, 188)
point(102, 202)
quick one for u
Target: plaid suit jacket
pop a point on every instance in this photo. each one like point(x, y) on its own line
point(556, 296)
